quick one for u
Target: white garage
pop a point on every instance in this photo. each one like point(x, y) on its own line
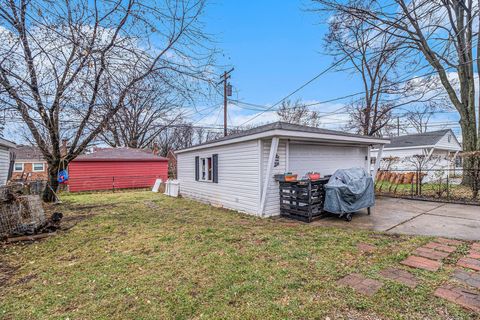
point(237, 171)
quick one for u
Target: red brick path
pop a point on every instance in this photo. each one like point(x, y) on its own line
point(429, 256)
point(467, 278)
point(366, 247)
point(469, 263)
point(422, 263)
point(463, 297)
point(361, 284)
point(430, 253)
point(400, 275)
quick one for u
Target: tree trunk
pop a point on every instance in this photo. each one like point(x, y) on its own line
point(52, 183)
point(469, 144)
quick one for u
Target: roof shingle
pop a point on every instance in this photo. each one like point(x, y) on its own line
point(284, 126)
point(28, 153)
point(420, 139)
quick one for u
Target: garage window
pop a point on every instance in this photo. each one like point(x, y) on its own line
point(206, 168)
point(38, 167)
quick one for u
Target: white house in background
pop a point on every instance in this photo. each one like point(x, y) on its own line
point(442, 147)
point(237, 171)
point(5, 160)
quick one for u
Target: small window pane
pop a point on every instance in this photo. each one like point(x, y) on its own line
point(209, 169)
point(38, 167)
point(18, 166)
point(203, 169)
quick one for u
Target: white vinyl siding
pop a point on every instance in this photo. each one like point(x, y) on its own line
point(4, 165)
point(443, 143)
point(237, 186)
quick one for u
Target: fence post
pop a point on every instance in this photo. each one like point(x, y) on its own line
point(411, 187)
point(448, 186)
point(113, 183)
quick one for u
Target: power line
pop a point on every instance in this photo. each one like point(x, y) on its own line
point(296, 90)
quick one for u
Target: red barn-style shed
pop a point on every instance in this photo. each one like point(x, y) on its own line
point(116, 168)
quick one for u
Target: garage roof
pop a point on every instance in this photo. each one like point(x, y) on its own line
point(120, 154)
point(288, 130)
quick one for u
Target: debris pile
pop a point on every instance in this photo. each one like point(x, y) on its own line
point(23, 215)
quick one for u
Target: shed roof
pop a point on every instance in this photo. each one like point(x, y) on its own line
point(419, 139)
point(120, 154)
point(285, 129)
point(27, 153)
point(7, 143)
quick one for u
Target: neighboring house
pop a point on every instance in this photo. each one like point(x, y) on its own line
point(116, 168)
point(237, 171)
point(6, 157)
point(29, 164)
point(439, 149)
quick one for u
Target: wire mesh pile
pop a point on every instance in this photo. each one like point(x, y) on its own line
point(19, 214)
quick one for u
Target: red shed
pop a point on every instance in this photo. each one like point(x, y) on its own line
point(116, 168)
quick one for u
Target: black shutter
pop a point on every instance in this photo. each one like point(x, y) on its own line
point(197, 174)
point(215, 168)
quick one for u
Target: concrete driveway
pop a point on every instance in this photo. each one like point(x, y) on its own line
point(414, 217)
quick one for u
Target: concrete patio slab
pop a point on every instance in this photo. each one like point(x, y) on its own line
point(458, 211)
point(403, 216)
point(450, 227)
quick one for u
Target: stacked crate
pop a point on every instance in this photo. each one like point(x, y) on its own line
point(302, 200)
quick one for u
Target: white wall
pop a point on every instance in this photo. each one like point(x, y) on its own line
point(4, 164)
point(325, 159)
point(238, 186)
point(303, 158)
point(453, 145)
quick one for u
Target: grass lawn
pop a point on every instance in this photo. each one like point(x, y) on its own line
point(138, 255)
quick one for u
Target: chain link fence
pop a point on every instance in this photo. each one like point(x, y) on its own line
point(445, 185)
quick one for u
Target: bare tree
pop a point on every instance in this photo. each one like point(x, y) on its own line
point(419, 117)
point(374, 57)
point(148, 110)
point(442, 36)
point(67, 67)
point(297, 113)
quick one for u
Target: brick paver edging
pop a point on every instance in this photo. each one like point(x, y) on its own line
point(467, 278)
point(401, 276)
point(422, 263)
point(466, 298)
point(361, 284)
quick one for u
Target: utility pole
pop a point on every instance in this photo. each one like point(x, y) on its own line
point(227, 92)
point(398, 126)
